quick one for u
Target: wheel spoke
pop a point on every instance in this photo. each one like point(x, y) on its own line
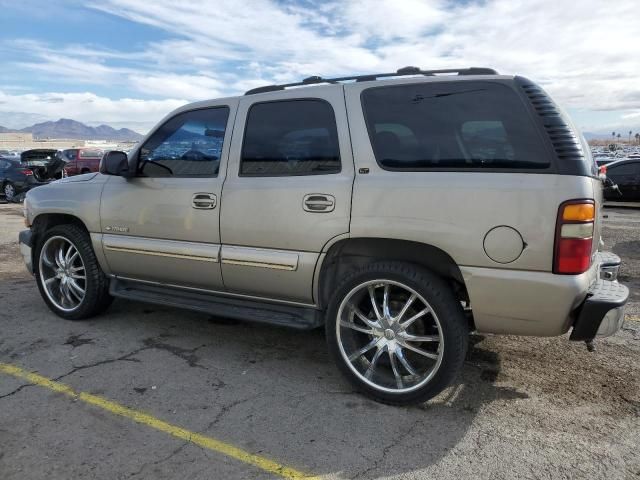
point(405, 363)
point(68, 255)
point(73, 258)
point(408, 322)
point(362, 317)
point(372, 296)
point(60, 257)
point(46, 260)
point(358, 353)
point(374, 361)
point(385, 302)
point(420, 338)
point(394, 367)
point(76, 269)
point(420, 351)
point(49, 281)
point(406, 306)
point(355, 327)
point(76, 289)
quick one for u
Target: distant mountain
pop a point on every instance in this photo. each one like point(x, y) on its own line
point(66, 128)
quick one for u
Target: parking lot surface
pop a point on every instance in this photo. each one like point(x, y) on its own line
point(253, 394)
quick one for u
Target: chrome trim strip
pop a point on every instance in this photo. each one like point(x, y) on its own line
point(203, 252)
point(258, 264)
point(260, 257)
point(217, 292)
point(161, 254)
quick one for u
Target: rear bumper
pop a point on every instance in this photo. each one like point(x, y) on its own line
point(515, 302)
point(25, 241)
point(602, 313)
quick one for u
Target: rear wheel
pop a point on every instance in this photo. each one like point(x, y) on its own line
point(397, 332)
point(69, 277)
point(9, 192)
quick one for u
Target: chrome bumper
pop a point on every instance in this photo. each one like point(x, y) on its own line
point(25, 241)
point(609, 265)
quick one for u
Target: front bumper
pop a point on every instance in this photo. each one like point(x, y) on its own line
point(25, 240)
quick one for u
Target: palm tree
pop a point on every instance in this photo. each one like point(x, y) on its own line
point(618, 136)
point(637, 137)
point(630, 132)
point(613, 134)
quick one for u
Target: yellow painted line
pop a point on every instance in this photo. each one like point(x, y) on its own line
point(145, 419)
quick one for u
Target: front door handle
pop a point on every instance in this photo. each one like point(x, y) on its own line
point(319, 202)
point(204, 201)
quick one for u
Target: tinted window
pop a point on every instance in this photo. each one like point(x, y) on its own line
point(71, 154)
point(187, 145)
point(91, 153)
point(451, 125)
point(293, 137)
point(624, 169)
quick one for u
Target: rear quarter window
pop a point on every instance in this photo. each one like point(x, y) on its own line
point(452, 125)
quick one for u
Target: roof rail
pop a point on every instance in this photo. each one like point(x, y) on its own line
point(405, 71)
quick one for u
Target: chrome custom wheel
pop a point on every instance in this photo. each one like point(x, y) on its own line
point(62, 273)
point(9, 192)
point(389, 336)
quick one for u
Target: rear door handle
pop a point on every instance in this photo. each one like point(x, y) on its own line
point(204, 201)
point(319, 202)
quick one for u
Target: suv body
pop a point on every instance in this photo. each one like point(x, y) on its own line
point(401, 213)
point(81, 160)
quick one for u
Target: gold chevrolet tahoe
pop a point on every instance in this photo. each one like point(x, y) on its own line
point(400, 211)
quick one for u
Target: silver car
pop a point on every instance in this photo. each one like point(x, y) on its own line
point(400, 211)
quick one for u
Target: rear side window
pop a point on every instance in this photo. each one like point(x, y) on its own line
point(289, 138)
point(624, 169)
point(450, 125)
point(91, 153)
point(71, 155)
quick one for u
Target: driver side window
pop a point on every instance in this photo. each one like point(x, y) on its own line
point(187, 145)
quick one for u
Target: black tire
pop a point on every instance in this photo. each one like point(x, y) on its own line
point(9, 197)
point(96, 299)
point(453, 327)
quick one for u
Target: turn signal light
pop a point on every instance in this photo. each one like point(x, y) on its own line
point(579, 212)
point(26, 172)
point(574, 237)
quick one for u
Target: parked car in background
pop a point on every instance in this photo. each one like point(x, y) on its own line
point(81, 160)
point(16, 179)
point(626, 175)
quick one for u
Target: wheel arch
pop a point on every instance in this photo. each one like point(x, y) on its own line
point(44, 221)
point(346, 255)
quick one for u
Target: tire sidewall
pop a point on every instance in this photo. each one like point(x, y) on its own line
point(440, 298)
point(74, 236)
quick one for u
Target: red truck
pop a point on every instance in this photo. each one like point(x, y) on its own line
point(81, 160)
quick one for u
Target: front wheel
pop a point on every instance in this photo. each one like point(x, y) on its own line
point(69, 277)
point(397, 332)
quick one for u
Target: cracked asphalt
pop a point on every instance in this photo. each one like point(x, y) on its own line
point(523, 408)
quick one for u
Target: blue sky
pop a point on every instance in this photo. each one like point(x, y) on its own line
point(129, 62)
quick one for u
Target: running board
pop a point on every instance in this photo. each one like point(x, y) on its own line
point(218, 305)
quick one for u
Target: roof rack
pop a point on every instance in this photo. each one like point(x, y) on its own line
point(374, 76)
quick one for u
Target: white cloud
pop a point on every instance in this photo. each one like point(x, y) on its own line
point(584, 54)
point(137, 114)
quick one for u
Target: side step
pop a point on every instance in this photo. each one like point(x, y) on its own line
point(215, 304)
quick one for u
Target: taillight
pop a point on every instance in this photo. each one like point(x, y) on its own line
point(26, 172)
point(574, 237)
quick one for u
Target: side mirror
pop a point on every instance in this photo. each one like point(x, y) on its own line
point(115, 162)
